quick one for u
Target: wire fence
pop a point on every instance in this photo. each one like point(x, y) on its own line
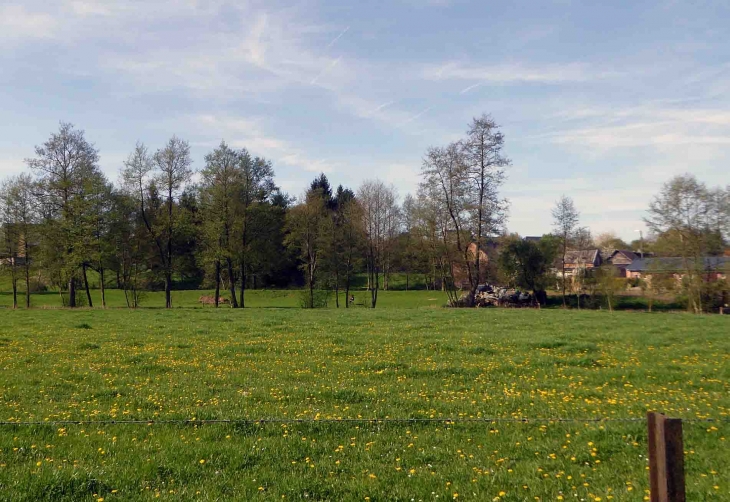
point(263, 421)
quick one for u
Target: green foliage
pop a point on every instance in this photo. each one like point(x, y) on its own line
point(527, 264)
point(319, 299)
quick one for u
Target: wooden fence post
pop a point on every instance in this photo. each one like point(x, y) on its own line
point(666, 458)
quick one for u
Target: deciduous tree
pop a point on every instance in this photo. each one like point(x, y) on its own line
point(565, 222)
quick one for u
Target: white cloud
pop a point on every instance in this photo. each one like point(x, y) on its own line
point(308, 164)
point(12, 165)
point(512, 73)
point(19, 22)
point(85, 8)
point(249, 134)
point(603, 203)
point(646, 126)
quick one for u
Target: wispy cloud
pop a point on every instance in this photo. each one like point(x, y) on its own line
point(249, 133)
point(19, 22)
point(642, 126)
point(512, 73)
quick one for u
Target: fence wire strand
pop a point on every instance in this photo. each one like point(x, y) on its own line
point(370, 421)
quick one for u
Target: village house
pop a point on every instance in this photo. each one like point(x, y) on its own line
point(578, 260)
point(461, 274)
point(622, 258)
point(712, 268)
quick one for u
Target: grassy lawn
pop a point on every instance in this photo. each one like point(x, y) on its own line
point(398, 363)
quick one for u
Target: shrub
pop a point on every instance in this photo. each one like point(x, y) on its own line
point(319, 300)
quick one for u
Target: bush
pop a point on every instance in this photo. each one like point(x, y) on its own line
point(37, 286)
point(634, 282)
point(80, 298)
point(319, 300)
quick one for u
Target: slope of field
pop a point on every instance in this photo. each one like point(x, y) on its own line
point(321, 365)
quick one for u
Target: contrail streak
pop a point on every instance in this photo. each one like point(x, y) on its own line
point(381, 107)
point(326, 69)
point(470, 88)
point(416, 116)
point(337, 38)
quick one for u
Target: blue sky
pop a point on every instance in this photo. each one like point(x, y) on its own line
point(601, 101)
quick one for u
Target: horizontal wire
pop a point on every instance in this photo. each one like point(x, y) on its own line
point(262, 421)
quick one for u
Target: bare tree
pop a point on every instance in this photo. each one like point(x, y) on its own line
point(485, 171)
point(173, 165)
point(304, 225)
point(681, 212)
point(565, 221)
point(378, 203)
point(10, 237)
point(409, 217)
point(465, 177)
point(168, 171)
point(19, 217)
point(352, 238)
point(136, 179)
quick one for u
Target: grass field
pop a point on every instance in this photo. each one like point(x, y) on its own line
point(285, 298)
point(399, 363)
point(291, 298)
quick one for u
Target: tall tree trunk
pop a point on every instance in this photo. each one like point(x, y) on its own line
point(86, 286)
point(27, 281)
point(374, 279)
point(243, 284)
point(72, 292)
point(15, 289)
point(168, 289)
point(168, 271)
point(375, 290)
point(311, 286)
point(347, 290)
point(217, 281)
point(101, 285)
point(347, 278)
point(232, 282)
point(337, 289)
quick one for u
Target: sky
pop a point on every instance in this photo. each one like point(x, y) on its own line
point(600, 101)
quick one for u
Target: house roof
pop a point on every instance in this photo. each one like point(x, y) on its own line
point(675, 264)
point(627, 253)
point(582, 257)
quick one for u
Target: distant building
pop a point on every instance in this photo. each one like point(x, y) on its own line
point(461, 274)
point(576, 260)
point(17, 261)
point(712, 268)
point(622, 258)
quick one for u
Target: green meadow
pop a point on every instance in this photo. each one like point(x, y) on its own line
point(309, 369)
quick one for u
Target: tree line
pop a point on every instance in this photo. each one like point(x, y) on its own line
point(229, 227)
